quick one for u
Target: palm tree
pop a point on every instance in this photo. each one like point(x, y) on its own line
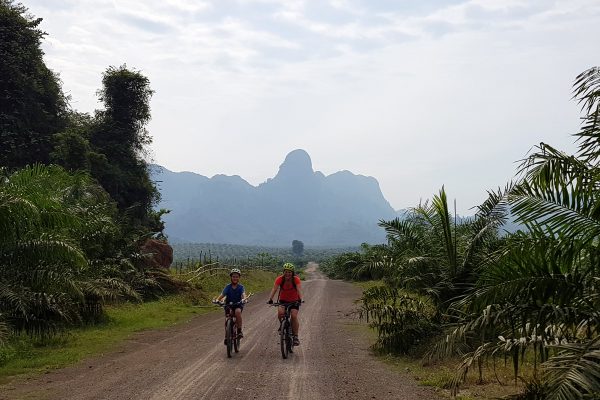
point(559, 201)
point(49, 220)
point(430, 259)
point(541, 292)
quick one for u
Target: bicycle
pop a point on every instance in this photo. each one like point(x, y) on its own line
point(286, 336)
point(232, 340)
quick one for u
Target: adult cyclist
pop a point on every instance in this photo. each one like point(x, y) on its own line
point(290, 291)
point(234, 293)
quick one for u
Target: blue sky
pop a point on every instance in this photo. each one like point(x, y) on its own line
point(418, 94)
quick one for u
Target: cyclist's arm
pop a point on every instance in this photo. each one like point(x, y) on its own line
point(275, 287)
point(299, 289)
point(221, 296)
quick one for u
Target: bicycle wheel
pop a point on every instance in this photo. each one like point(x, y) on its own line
point(289, 341)
point(229, 336)
point(236, 341)
point(283, 334)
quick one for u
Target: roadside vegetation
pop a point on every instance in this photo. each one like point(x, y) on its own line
point(463, 288)
point(75, 194)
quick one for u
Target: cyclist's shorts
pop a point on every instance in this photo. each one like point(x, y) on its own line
point(294, 307)
point(240, 306)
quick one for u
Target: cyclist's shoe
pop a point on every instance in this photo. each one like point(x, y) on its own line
point(296, 341)
point(240, 334)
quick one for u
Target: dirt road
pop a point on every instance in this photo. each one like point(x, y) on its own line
point(189, 361)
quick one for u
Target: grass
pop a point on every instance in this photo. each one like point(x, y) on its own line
point(439, 374)
point(26, 355)
point(364, 285)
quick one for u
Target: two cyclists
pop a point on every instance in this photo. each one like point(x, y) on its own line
point(290, 291)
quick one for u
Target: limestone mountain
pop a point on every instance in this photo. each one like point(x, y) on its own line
point(298, 203)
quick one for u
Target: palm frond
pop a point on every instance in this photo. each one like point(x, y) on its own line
point(440, 204)
point(574, 372)
point(587, 92)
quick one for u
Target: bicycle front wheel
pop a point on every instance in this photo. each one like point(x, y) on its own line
point(229, 336)
point(283, 335)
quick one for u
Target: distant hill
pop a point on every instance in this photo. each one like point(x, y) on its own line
point(341, 209)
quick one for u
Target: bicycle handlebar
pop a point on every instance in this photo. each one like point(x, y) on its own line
point(220, 304)
point(230, 304)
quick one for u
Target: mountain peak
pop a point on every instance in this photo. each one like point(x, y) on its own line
point(297, 164)
point(298, 160)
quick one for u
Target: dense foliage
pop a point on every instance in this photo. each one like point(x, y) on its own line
point(55, 232)
point(32, 105)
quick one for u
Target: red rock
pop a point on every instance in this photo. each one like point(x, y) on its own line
point(158, 253)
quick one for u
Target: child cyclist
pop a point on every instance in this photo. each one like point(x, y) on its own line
point(234, 293)
point(290, 291)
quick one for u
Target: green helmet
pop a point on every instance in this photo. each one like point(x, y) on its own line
point(235, 271)
point(288, 267)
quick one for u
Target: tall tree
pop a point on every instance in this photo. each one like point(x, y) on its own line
point(32, 105)
point(119, 141)
point(297, 248)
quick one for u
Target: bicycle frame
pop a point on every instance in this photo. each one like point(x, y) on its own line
point(231, 333)
point(285, 329)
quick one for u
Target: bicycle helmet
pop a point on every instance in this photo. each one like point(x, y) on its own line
point(235, 271)
point(288, 267)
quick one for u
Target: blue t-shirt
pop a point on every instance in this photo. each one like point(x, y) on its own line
point(233, 295)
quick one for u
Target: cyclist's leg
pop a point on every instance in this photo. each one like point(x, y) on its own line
point(280, 312)
point(295, 323)
point(238, 317)
point(226, 313)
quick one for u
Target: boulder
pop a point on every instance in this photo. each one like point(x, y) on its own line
point(157, 253)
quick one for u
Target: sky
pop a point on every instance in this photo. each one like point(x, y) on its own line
point(417, 94)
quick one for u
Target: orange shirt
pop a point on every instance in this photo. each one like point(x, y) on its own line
point(288, 292)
